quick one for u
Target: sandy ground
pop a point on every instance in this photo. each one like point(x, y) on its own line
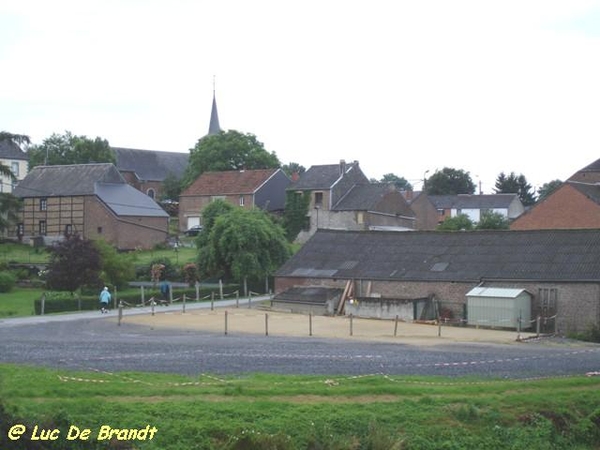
point(232, 321)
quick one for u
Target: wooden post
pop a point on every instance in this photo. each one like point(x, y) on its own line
point(115, 299)
point(197, 291)
point(245, 286)
point(142, 292)
point(184, 302)
point(220, 289)
point(310, 324)
point(120, 313)
point(43, 304)
point(537, 326)
point(212, 301)
point(396, 326)
point(237, 299)
point(266, 324)
point(249, 299)
point(225, 322)
point(439, 327)
point(170, 293)
point(152, 304)
point(351, 325)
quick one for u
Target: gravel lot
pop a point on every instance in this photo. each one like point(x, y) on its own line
point(195, 343)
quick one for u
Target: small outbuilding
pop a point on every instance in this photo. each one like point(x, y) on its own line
point(499, 307)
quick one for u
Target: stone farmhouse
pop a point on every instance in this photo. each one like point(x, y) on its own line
point(261, 188)
point(430, 273)
point(93, 200)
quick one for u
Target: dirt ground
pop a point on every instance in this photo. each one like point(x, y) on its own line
point(232, 321)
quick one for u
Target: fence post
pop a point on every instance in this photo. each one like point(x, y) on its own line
point(212, 301)
point(170, 294)
point(43, 304)
point(555, 324)
point(310, 324)
point(142, 291)
point(120, 312)
point(266, 324)
point(537, 326)
point(184, 302)
point(237, 298)
point(115, 299)
point(225, 322)
point(439, 327)
point(396, 326)
point(351, 325)
point(249, 299)
point(220, 289)
point(197, 286)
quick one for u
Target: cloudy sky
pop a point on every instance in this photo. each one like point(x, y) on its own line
point(403, 87)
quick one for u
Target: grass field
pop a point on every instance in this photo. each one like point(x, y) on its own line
point(304, 412)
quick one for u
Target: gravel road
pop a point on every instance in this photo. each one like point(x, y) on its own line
point(88, 342)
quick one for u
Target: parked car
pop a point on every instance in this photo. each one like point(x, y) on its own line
point(193, 231)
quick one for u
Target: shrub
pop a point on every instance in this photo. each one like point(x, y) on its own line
point(7, 281)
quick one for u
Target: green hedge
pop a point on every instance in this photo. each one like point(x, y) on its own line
point(65, 302)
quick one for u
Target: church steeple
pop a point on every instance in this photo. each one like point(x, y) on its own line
point(214, 127)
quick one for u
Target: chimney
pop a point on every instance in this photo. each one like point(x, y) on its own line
point(342, 167)
point(295, 176)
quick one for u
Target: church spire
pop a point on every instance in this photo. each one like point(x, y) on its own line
point(214, 127)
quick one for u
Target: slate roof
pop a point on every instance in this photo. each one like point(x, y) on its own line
point(365, 197)
point(593, 167)
point(320, 177)
point(76, 179)
point(591, 191)
point(151, 165)
point(534, 255)
point(213, 126)
point(125, 200)
point(475, 201)
point(230, 182)
point(10, 150)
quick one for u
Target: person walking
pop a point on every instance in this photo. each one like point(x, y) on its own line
point(104, 300)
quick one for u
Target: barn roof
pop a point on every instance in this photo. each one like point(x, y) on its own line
point(537, 255)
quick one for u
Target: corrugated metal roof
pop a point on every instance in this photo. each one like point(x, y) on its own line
point(482, 291)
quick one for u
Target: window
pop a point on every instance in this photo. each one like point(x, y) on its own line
point(20, 229)
point(151, 193)
point(43, 204)
point(68, 229)
point(241, 200)
point(318, 199)
point(42, 227)
point(99, 230)
point(14, 168)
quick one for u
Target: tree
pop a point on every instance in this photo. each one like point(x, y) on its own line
point(295, 214)
point(171, 187)
point(116, 269)
point(400, 182)
point(548, 188)
point(460, 222)
point(449, 182)
point(293, 168)
point(513, 184)
point(244, 244)
point(492, 221)
point(74, 262)
point(228, 150)
point(69, 149)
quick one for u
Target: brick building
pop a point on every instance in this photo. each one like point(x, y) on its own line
point(92, 200)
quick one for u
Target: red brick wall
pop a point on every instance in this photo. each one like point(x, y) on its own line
point(566, 208)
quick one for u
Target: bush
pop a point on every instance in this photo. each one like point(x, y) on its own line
point(7, 281)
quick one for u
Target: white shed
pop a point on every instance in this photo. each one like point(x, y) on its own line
point(499, 307)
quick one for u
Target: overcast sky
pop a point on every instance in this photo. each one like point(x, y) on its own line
point(401, 86)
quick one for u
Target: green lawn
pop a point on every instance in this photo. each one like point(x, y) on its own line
point(260, 411)
point(19, 302)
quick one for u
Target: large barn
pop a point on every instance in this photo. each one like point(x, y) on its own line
point(560, 269)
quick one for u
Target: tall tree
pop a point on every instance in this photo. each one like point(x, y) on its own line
point(74, 262)
point(548, 188)
point(70, 149)
point(400, 182)
point(515, 184)
point(449, 181)
point(245, 244)
point(228, 150)
point(295, 214)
